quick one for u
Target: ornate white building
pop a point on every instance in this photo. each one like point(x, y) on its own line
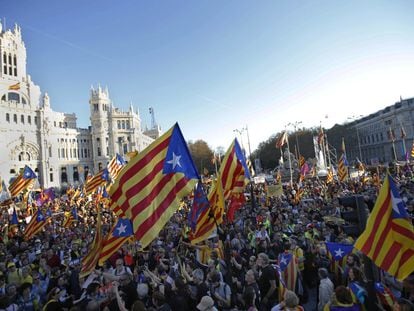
point(50, 142)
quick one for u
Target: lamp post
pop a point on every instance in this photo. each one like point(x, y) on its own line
point(295, 126)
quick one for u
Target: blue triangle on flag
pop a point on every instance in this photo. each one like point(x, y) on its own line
point(178, 158)
point(123, 228)
point(398, 205)
point(339, 251)
point(284, 260)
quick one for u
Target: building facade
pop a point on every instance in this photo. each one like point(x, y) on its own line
point(386, 135)
point(50, 142)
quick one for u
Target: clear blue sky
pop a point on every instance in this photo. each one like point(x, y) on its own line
point(216, 66)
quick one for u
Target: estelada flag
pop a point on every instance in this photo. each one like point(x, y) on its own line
point(150, 187)
point(388, 238)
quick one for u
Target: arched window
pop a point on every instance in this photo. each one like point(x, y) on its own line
point(99, 165)
point(14, 97)
point(24, 156)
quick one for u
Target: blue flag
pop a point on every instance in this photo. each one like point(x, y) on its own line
point(40, 217)
point(241, 158)
point(14, 219)
point(120, 160)
point(200, 204)
point(74, 213)
point(105, 193)
point(105, 175)
point(284, 260)
point(339, 251)
point(123, 228)
point(28, 173)
point(398, 205)
point(178, 158)
point(48, 213)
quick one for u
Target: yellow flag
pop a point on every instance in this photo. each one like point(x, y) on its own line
point(15, 87)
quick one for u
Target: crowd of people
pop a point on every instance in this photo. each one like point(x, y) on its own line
point(237, 268)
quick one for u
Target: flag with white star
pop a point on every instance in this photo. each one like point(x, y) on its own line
point(232, 178)
point(150, 187)
point(288, 264)
point(388, 238)
point(338, 250)
point(100, 179)
point(123, 228)
point(35, 225)
point(22, 182)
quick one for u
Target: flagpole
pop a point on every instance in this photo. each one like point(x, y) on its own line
point(253, 200)
point(290, 161)
point(327, 150)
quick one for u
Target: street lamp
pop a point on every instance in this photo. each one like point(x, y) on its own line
point(295, 125)
point(353, 118)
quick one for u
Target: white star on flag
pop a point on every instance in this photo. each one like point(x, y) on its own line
point(339, 252)
point(121, 229)
point(283, 260)
point(175, 161)
point(395, 202)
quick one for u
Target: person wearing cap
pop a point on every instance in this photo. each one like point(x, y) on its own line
point(206, 304)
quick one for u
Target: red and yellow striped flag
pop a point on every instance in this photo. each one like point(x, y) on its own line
point(98, 180)
point(120, 233)
point(150, 187)
point(342, 168)
point(412, 151)
point(115, 166)
point(36, 224)
point(233, 175)
point(22, 182)
point(388, 238)
point(329, 176)
point(91, 259)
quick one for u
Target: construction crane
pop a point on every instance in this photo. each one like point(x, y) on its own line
point(152, 113)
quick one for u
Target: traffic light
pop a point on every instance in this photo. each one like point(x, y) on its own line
point(355, 214)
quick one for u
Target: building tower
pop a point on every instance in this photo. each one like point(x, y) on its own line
point(100, 104)
point(13, 55)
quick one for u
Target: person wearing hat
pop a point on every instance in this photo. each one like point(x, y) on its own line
point(206, 304)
